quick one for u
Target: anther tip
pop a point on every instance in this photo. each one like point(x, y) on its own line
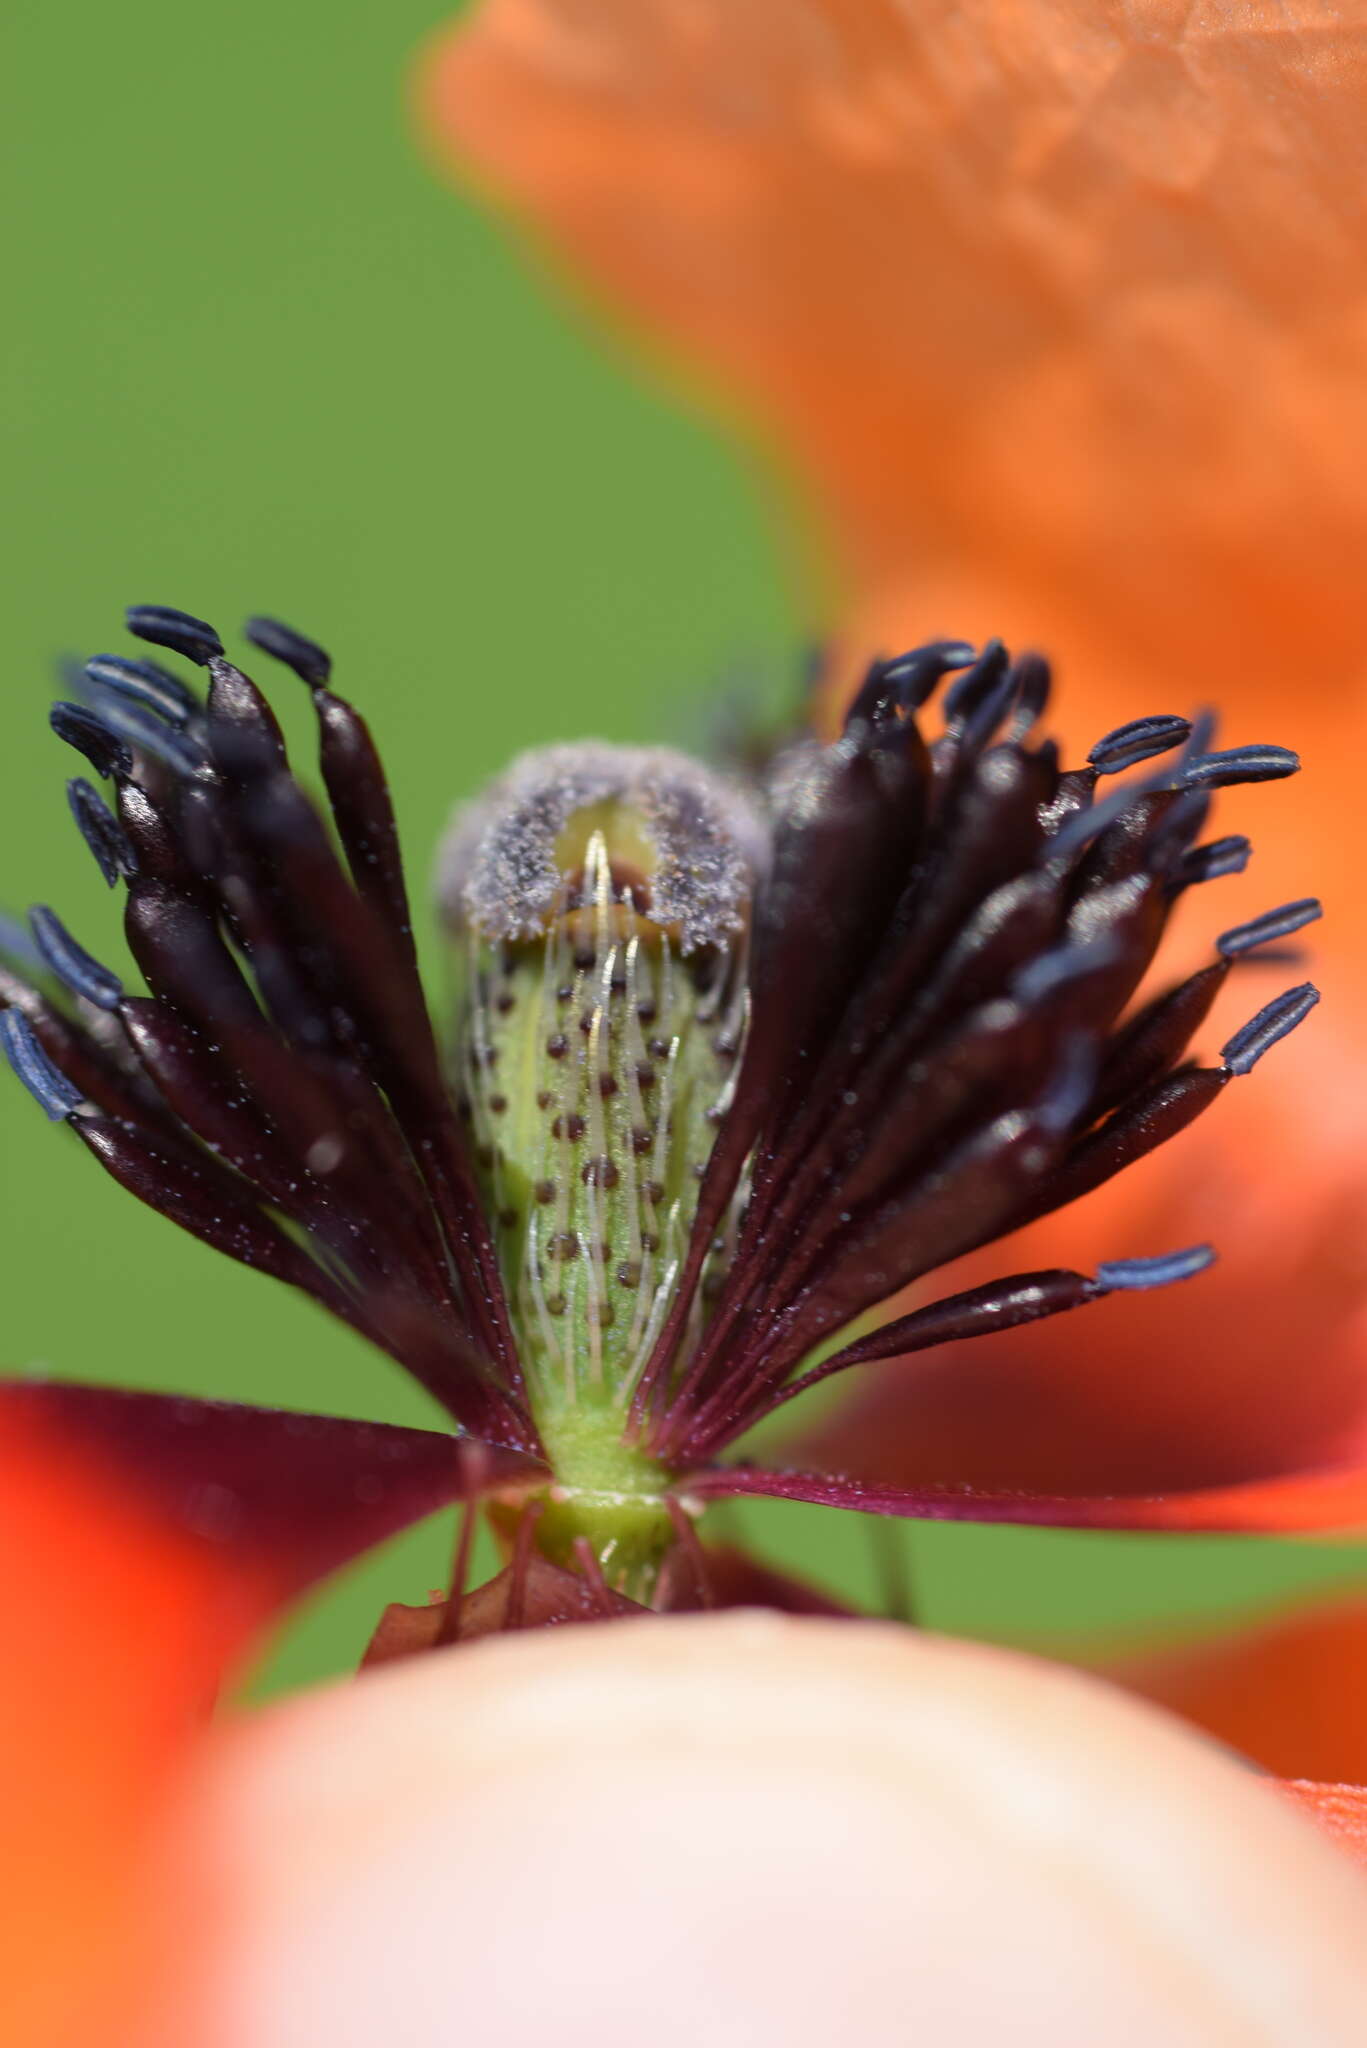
point(1272, 925)
point(310, 662)
point(182, 632)
point(113, 851)
point(48, 1086)
point(1136, 1275)
point(80, 728)
point(80, 971)
point(1275, 1021)
point(1140, 740)
point(1238, 764)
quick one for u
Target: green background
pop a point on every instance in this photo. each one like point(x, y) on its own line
point(258, 358)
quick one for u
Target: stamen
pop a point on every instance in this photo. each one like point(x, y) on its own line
point(1090, 822)
point(587, 1560)
point(1238, 764)
point(918, 672)
point(449, 1630)
point(1273, 1022)
point(515, 1611)
point(989, 711)
point(1228, 856)
point(875, 697)
point(1127, 745)
point(964, 697)
point(151, 735)
point(47, 1085)
point(114, 851)
point(90, 736)
point(15, 943)
point(1053, 971)
point(691, 1545)
point(1273, 924)
point(905, 681)
point(1070, 1087)
point(1204, 727)
point(1135, 1275)
point(310, 662)
point(83, 975)
point(1034, 681)
point(143, 682)
point(182, 632)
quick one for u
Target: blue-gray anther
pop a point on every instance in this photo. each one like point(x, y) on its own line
point(182, 632)
point(144, 683)
point(1127, 745)
point(310, 662)
point(49, 1088)
point(83, 975)
point(1242, 1052)
point(1135, 1275)
point(1273, 924)
point(1238, 764)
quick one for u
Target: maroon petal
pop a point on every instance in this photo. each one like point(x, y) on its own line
point(735, 1579)
point(1317, 1500)
point(297, 1495)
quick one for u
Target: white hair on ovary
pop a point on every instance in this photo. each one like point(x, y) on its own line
point(498, 870)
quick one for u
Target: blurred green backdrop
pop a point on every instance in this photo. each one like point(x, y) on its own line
point(258, 358)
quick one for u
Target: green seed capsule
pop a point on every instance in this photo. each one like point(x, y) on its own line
point(602, 899)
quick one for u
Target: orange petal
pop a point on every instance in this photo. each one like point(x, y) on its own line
point(115, 1635)
point(1289, 1694)
point(1058, 304)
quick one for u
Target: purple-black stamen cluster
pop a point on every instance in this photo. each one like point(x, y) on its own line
point(944, 952)
point(941, 1047)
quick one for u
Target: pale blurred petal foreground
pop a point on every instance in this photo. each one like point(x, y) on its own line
point(752, 1829)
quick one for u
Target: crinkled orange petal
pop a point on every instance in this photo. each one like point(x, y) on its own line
point(1291, 1693)
point(114, 1635)
point(1059, 305)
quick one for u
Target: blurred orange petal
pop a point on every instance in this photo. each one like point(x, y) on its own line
point(1058, 305)
point(1256, 1368)
point(115, 1636)
point(1291, 1693)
